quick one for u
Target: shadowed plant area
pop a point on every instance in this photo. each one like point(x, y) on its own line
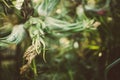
point(59, 40)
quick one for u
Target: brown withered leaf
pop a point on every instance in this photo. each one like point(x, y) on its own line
point(29, 55)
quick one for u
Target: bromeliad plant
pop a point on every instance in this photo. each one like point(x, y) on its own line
point(38, 25)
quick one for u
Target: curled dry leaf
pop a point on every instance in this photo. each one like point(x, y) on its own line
point(29, 55)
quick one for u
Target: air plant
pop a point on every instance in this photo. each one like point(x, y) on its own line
point(63, 27)
point(36, 26)
point(15, 37)
point(47, 6)
point(95, 8)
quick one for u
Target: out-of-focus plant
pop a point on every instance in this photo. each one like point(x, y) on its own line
point(47, 6)
point(35, 26)
point(15, 37)
point(35, 29)
point(44, 21)
point(107, 14)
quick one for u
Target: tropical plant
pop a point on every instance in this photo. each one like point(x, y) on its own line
point(57, 37)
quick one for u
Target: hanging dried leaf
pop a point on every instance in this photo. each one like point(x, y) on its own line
point(29, 55)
